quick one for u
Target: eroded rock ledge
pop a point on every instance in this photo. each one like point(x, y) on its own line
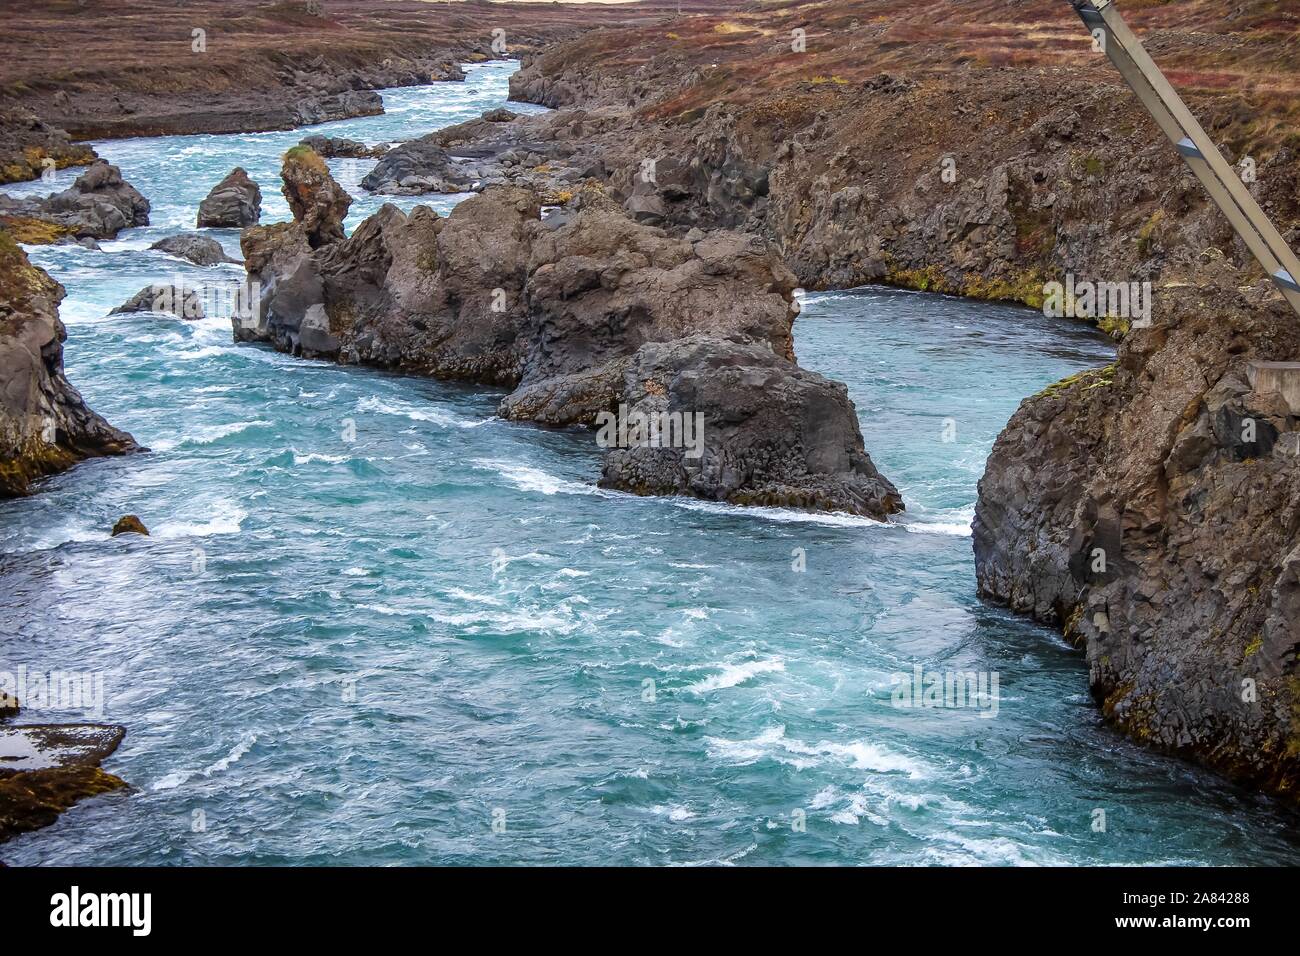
point(583, 313)
point(98, 205)
point(45, 425)
point(1151, 509)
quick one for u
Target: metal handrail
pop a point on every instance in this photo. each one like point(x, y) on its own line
point(1225, 187)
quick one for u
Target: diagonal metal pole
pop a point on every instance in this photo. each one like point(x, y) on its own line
point(1225, 187)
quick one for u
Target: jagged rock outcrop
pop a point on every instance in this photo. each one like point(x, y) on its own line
point(319, 204)
point(332, 147)
point(45, 425)
point(564, 313)
point(1151, 509)
point(166, 298)
point(98, 205)
point(329, 107)
point(771, 433)
point(233, 203)
point(200, 250)
point(28, 147)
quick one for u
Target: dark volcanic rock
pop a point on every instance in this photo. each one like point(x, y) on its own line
point(233, 203)
point(45, 426)
point(331, 147)
point(545, 153)
point(182, 301)
point(319, 204)
point(328, 107)
point(567, 315)
point(1150, 509)
point(768, 432)
point(98, 205)
point(418, 167)
point(200, 250)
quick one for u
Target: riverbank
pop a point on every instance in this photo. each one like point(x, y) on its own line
point(247, 65)
point(937, 146)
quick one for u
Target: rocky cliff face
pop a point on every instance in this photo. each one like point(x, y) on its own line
point(584, 315)
point(45, 426)
point(1151, 509)
point(926, 144)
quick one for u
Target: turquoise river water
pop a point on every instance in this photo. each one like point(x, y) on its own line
point(370, 650)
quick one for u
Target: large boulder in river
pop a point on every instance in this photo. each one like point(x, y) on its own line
point(200, 250)
point(166, 298)
point(1150, 510)
point(45, 425)
point(98, 205)
point(233, 203)
point(318, 203)
point(565, 314)
point(420, 166)
point(730, 420)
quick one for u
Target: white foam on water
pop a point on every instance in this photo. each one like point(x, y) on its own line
point(228, 518)
point(299, 459)
point(426, 413)
point(772, 744)
point(836, 519)
point(952, 521)
point(733, 675)
point(527, 478)
point(207, 435)
point(510, 622)
point(179, 777)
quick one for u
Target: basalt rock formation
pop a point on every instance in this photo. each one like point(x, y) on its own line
point(578, 316)
point(1151, 510)
point(45, 425)
point(928, 144)
point(99, 205)
point(319, 204)
point(178, 299)
point(547, 153)
point(233, 203)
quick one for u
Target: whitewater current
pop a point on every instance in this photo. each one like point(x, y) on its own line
point(374, 623)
